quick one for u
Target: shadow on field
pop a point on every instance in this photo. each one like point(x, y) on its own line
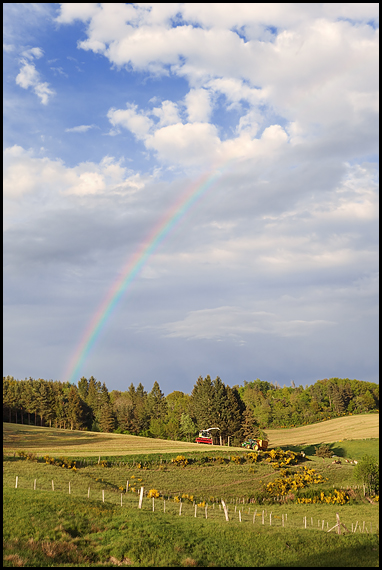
point(342, 556)
point(311, 449)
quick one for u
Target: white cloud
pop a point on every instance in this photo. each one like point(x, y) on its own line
point(167, 113)
point(198, 105)
point(30, 77)
point(32, 53)
point(136, 122)
point(26, 174)
point(234, 322)
point(70, 12)
point(80, 129)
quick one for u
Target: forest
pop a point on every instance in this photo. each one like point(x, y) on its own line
point(239, 412)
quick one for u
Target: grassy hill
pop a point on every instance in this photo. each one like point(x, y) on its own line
point(53, 441)
point(362, 426)
point(84, 517)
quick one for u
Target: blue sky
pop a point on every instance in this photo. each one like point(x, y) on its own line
point(112, 110)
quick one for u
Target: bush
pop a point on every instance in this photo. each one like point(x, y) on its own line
point(367, 473)
point(323, 451)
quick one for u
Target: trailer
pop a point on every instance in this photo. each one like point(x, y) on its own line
point(255, 444)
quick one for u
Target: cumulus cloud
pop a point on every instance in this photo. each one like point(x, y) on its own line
point(25, 173)
point(30, 77)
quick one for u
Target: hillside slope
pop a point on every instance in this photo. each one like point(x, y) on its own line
point(362, 426)
point(43, 440)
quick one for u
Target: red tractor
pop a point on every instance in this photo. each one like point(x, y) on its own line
point(205, 436)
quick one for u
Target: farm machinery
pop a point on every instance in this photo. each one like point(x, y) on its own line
point(205, 436)
point(255, 444)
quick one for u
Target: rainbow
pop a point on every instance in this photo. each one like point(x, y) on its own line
point(134, 266)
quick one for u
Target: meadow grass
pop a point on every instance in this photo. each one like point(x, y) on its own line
point(49, 528)
point(359, 426)
point(43, 528)
point(85, 444)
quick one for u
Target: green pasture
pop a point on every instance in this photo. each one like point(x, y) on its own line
point(43, 528)
point(89, 526)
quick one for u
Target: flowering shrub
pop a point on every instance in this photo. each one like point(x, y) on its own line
point(61, 462)
point(288, 482)
point(237, 459)
point(180, 460)
point(153, 493)
point(188, 498)
point(333, 498)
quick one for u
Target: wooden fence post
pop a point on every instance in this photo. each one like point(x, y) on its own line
point(103, 495)
point(180, 508)
point(140, 499)
point(127, 486)
point(225, 510)
point(52, 485)
point(88, 492)
point(34, 484)
point(338, 524)
point(17, 478)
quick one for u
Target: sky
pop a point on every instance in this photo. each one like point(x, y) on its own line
point(216, 162)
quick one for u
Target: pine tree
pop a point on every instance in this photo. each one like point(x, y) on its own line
point(74, 412)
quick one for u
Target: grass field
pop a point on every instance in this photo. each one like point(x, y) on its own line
point(362, 426)
point(43, 527)
point(79, 443)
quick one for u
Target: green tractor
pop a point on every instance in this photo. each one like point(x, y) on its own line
point(255, 444)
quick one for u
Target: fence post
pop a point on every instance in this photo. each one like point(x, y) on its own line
point(34, 484)
point(103, 496)
point(88, 492)
point(52, 485)
point(338, 524)
point(140, 499)
point(127, 486)
point(17, 478)
point(225, 510)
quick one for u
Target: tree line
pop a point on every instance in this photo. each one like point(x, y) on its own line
point(239, 412)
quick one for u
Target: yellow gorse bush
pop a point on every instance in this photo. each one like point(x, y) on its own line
point(180, 460)
point(288, 482)
point(335, 498)
point(187, 497)
point(153, 493)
